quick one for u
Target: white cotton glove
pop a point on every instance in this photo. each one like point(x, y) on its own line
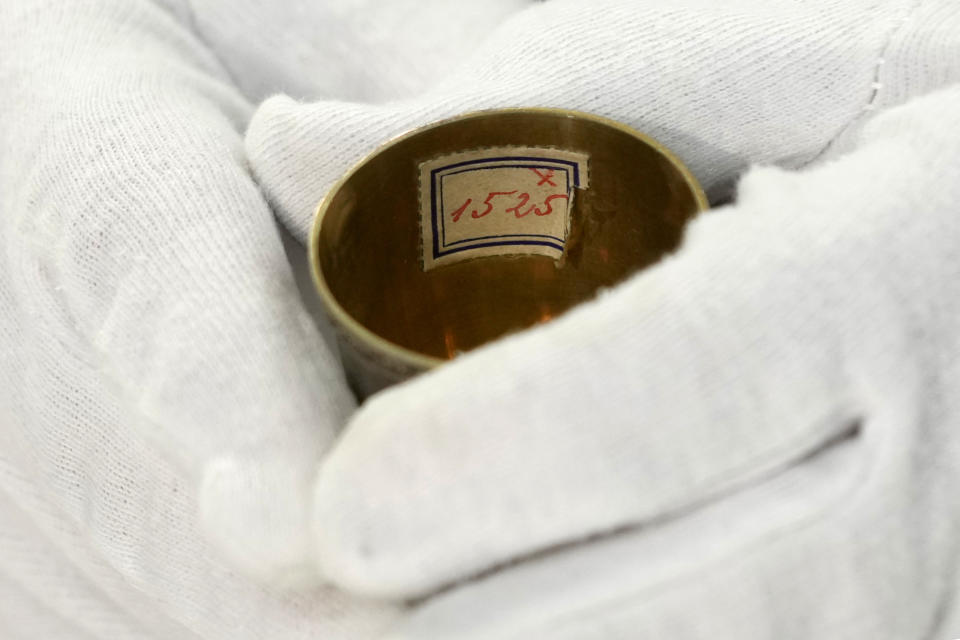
point(155, 360)
point(767, 418)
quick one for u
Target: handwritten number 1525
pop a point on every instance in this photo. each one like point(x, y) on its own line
point(522, 198)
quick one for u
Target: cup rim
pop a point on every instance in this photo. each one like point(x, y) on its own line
point(390, 350)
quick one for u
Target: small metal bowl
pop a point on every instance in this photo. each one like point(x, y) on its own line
point(397, 315)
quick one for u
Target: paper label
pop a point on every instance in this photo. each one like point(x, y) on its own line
point(498, 201)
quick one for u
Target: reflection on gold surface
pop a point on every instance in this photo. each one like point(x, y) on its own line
point(545, 314)
point(448, 342)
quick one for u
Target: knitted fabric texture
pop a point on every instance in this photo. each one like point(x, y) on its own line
point(755, 439)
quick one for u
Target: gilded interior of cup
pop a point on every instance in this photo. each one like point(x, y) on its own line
point(366, 243)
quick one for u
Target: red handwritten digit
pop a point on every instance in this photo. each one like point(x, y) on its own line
point(459, 212)
point(549, 210)
point(490, 197)
point(524, 197)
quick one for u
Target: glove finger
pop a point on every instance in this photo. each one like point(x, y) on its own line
point(664, 69)
point(154, 273)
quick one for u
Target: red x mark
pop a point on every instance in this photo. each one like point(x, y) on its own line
point(544, 177)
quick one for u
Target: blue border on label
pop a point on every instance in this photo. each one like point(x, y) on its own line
point(443, 225)
point(541, 163)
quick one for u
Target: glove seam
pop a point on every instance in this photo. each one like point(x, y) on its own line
point(876, 86)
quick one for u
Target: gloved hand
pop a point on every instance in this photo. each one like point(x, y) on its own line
point(761, 430)
point(153, 346)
